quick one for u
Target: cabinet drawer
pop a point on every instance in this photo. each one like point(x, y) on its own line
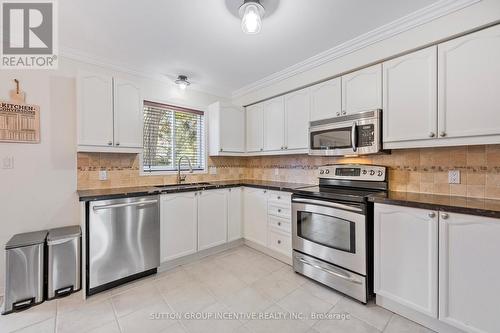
point(280, 198)
point(280, 242)
point(281, 224)
point(279, 211)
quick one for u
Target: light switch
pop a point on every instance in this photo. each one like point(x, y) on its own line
point(454, 177)
point(103, 175)
point(276, 171)
point(8, 162)
point(212, 170)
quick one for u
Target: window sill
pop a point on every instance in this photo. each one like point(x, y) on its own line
point(172, 173)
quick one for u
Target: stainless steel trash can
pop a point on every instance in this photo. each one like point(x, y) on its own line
point(64, 258)
point(24, 261)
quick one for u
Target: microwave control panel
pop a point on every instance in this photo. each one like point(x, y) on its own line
point(366, 135)
point(353, 172)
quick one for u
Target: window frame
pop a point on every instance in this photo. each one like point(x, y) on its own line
point(198, 108)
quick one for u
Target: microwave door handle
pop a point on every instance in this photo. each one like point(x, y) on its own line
point(354, 137)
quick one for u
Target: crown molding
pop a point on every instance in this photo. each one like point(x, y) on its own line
point(410, 21)
point(77, 55)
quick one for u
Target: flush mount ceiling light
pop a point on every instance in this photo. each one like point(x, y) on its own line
point(182, 81)
point(251, 13)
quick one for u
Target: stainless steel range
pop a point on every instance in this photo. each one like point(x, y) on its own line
point(333, 228)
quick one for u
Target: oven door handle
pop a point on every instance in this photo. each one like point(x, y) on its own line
point(328, 204)
point(354, 137)
point(329, 271)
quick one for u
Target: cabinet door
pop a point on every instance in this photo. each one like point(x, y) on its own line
point(232, 125)
point(274, 124)
point(234, 214)
point(410, 97)
point(297, 111)
point(95, 109)
point(362, 90)
point(178, 225)
point(128, 114)
point(255, 128)
point(326, 99)
point(469, 77)
point(406, 257)
point(212, 218)
point(469, 284)
point(255, 215)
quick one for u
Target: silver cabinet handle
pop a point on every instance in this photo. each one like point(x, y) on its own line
point(221, 149)
point(442, 134)
point(444, 216)
point(354, 137)
point(432, 215)
point(344, 112)
point(338, 114)
point(282, 147)
point(279, 242)
point(117, 143)
point(328, 204)
point(340, 275)
point(279, 210)
point(110, 143)
point(261, 149)
point(126, 204)
point(432, 134)
point(279, 197)
point(286, 147)
point(279, 223)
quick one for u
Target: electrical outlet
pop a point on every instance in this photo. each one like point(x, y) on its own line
point(454, 177)
point(212, 170)
point(276, 171)
point(103, 175)
point(8, 162)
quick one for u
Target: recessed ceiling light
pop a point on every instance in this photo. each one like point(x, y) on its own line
point(182, 81)
point(251, 13)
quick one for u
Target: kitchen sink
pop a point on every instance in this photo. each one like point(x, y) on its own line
point(182, 186)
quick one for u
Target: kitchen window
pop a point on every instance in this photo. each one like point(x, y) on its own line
point(169, 133)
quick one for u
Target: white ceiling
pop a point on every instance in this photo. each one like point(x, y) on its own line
point(203, 39)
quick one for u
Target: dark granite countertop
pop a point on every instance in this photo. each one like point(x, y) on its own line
point(123, 192)
point(454, 204)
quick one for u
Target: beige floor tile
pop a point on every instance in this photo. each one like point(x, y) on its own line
point(248, 300)
point(86, 317)
point(111, 327)
point(135, 299)
point(152, 318)
point(276, 285)
point(212, 325)
point(351, 325)
point(370, 313)
point(301, 301)
point(277, 325)
point(323, 292)
point(36, 314)
point(399, 324)
point(192, 297)
point(175, 328)
point(176, 279)
point(76, 300)
point(47, 326)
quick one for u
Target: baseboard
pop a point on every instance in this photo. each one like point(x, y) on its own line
point(420, 318)
point(167, 265)
point(269, 252)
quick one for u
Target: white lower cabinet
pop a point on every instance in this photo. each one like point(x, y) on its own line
point(212, 218)
point(469, 272)
point(255, 215)
point(178, 225)
point(406, 257)
point(234, 214)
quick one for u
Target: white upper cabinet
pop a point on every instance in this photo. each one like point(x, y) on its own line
point(326, 99)
point(410, 98)
point(469, 284)
point(95, 109)
point(212, 218)
point(234, 214)
point(226, 129)
point(178, 226)
point(128, 114)
point(255, 128)
point(274, 127)
point(110, 114)
point(297, 111)
point(406, 257)
point(362, 90)
point(469, 77)
point(255, 215)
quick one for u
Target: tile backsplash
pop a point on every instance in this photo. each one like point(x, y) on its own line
point(414, 170)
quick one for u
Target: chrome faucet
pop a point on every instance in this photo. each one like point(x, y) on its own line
point(182, 178)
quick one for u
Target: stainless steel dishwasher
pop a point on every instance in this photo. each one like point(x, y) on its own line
point(123, 241)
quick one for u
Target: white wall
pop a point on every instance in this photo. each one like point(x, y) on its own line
point(477, 15)
point(40, 192)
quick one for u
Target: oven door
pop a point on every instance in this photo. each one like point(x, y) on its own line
point(357, 134)
point(331, 231)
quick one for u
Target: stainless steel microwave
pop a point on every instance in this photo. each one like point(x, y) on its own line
point(354, 134)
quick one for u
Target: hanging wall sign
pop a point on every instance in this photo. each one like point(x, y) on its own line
point(19, 122)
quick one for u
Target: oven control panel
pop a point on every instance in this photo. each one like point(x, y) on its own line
point(353, 172)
